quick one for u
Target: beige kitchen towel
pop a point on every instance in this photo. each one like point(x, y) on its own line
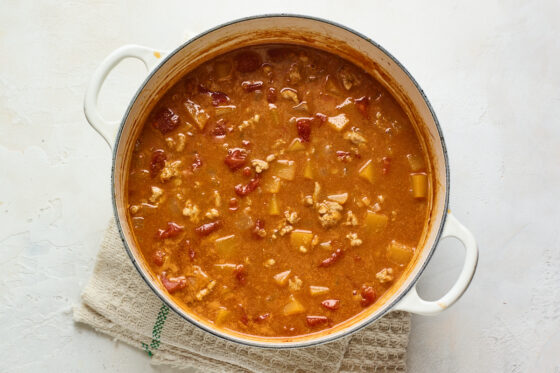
point(117, 302)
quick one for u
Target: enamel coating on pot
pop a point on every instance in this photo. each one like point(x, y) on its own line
point(320, 34)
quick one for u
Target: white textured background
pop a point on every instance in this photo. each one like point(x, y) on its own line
point(490, 68)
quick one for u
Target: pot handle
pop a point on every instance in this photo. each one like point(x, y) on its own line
point(412, 302)
point(108, 129)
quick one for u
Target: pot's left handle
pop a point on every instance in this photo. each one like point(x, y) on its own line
point(108, 129)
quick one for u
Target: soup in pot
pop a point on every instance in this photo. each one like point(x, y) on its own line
point(278, 190)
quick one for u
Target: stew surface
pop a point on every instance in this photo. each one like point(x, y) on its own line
point(278, 190)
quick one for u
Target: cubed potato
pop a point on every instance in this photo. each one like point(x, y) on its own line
point(375, 222)
point(419, 185)
point(366, 171)
point(338, 122)
point(274, 115)
point(415, 161)
point(284, 169)
point(226, 246)
point(223, 110)
point(399, 253)
point(273, 208)
point(272, 185)
point(318, 290)
point(293, 307)
point(282, 277)
point(301, 237)
point(326, 245)
point(308, 170)
point(296, 145)
point(340, 198)
point(197, 113)
point(222, 315)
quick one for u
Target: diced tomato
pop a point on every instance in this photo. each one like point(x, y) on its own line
point(165, 120)
point(331, 304)
point(251, 86)
point(242, 190)
point(344, 156)
point(219, 129)
point(219, 98)
point(258, 227)
point(172, 230)
point(247, 61)
point(368, 295)
point(362, 104)
point(304, 129)
point(158, 162)
point(386, 165)
point(236, 158)
point(172, 284)
point(240, 273)
point(233, 204)
point(271, 95)
point(262, 317)
point(158, 257)
point(206, 229)
point(316, 320)
point(332, 259)
point(197, 161)
point(247, 171)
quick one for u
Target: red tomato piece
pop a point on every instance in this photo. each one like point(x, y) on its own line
point(242, 190)
point(316, 320)
point(236, 158)
point(172, 230)
point(368, 295)
point(158, 162)
point(331, 304)
point(250, 86)
point(206, 229)
point(158, 257)
point(165, 120)
point(362, 104)
point(304, 129)
point(172, 284)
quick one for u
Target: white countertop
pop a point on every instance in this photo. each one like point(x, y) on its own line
point(490, 68)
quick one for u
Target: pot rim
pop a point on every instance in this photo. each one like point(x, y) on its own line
point(385, 308)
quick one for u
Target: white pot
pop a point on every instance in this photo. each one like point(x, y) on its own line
point(165, 69)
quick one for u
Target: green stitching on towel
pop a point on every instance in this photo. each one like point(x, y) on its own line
point(156, 330)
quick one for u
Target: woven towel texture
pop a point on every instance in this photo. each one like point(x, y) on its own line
point(117, 302)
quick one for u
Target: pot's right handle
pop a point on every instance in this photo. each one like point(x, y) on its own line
point(108, 129)
point(412, 302)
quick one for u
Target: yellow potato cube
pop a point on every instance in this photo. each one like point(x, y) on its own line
point(285, 169)
point(273, 208)
point(308, 170)
point(338, 122)
point(399, 253)
point(221, 316)
point(318, 290)
point(293, 307)
point(366, 171)
point(226, 246)
point(376, 222)
point(296, 145)
point(340, 198)
point(419, 185)
point(301, 237)
point(282, 277)
point(272, 185)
